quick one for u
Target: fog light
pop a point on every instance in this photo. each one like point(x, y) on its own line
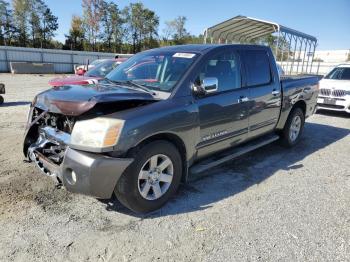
point(71, 177)
point(74, 177)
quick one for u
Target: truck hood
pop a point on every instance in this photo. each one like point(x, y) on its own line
point(335, 84)
point(74, 100)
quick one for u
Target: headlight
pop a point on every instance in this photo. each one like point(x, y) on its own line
point(99, 132)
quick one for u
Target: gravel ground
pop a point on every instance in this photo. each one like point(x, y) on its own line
point(272, 204)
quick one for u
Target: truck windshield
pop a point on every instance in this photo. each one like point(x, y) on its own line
point(339, 73)
point(156, 71)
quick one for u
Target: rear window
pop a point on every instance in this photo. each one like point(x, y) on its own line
point(339, 73)
point(258, 67)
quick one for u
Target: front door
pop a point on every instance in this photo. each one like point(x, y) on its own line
point(223, 115)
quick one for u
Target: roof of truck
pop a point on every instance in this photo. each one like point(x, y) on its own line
point(186, 48)
point(200, 48)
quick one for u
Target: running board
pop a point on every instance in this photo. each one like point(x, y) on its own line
point(232, 154)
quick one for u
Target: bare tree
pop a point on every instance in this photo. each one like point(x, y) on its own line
point(168, 31)
point(175, 30)
point(92, 19)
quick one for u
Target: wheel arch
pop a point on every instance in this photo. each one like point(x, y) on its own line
point(301, 104)
point(286, 112)
point(171, 138)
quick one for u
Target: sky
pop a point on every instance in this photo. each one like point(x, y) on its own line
point(328, 20)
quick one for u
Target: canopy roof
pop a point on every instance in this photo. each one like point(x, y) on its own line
point(290, 47)
point(242, 28)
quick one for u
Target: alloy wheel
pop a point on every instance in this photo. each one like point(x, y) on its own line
point(155, 177)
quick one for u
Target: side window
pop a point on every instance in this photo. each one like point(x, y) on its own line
point(225, 67)
point(258, 67)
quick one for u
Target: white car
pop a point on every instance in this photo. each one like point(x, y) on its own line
point(335, 90)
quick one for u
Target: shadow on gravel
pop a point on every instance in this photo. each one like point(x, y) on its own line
point(19, 103)
point(241, 173)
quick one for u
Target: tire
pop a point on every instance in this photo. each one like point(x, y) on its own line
point(132, 187)
point(1, 100)
point(293, 128)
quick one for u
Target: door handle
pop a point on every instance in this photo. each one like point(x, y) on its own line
point(243, 99)
point(275, 92)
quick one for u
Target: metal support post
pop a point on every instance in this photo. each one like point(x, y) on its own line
point(302, 66)
point(301, 45)
point(295, 48)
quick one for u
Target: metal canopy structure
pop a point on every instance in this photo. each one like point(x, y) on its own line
point(291, 46)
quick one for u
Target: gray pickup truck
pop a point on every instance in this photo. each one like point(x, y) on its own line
point(161, 116)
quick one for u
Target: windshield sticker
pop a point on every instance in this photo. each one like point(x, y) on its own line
point(184, 55)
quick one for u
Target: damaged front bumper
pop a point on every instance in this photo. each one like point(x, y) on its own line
point(78, 171)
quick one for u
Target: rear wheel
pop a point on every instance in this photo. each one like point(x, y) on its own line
point(151, 179)
point(1, 100)
point(293, 128)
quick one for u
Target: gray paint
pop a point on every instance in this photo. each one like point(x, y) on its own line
point(96, 174)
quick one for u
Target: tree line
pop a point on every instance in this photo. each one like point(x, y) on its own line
point(29, 23)
point(103, 26)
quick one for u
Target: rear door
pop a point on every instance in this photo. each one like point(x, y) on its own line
point(223, 115)
point(265, 94)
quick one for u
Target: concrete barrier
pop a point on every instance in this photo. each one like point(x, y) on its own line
point(31, 68)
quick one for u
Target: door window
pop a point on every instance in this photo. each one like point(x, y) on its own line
point(258, 67)
point(225, 67)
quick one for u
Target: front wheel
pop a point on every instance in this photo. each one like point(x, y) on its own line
point(293, 128)
point(152, 178)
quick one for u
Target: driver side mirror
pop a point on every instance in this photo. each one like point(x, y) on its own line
point(209, 85)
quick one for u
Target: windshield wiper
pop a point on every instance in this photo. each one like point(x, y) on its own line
point(131, 83)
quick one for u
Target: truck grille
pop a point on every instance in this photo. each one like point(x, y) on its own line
point(334, 93)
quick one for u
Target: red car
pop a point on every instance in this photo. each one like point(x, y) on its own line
point(81, 69)
point(90, 77)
